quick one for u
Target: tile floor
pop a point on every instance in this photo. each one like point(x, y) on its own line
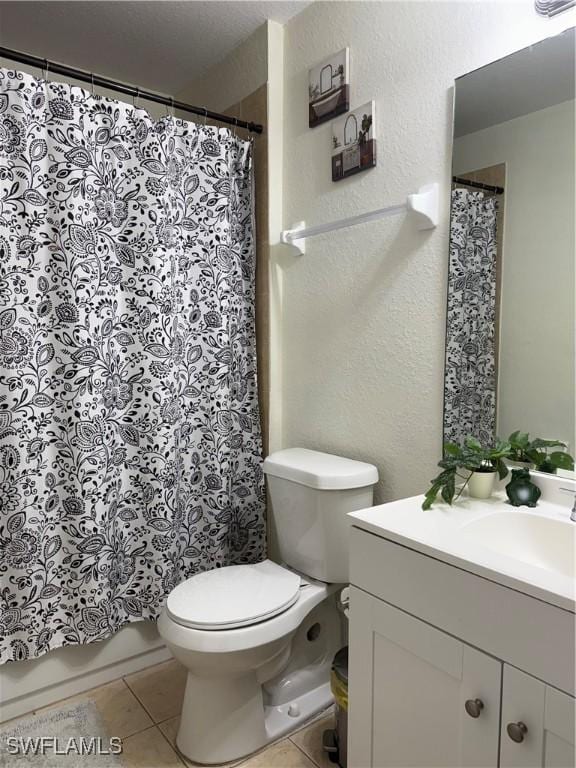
point(143, 710)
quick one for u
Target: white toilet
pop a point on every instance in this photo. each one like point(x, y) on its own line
point(258, 640)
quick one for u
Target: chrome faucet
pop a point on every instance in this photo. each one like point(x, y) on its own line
point(573, 510)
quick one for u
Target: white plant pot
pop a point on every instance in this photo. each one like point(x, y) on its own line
point(481, 485)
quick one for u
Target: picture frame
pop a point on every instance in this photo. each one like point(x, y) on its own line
point(329, 88)
point(353, 142)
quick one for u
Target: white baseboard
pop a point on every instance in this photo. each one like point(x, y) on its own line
point(29, 685)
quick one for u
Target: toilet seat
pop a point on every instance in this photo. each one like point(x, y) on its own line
point(234, 596)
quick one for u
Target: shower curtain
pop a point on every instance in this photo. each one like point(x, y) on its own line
point(470, 375)
point(130, 447)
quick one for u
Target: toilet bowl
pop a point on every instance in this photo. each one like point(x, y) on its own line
point(258, 640)
point(236, 698)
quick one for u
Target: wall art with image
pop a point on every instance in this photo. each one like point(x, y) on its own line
point(353, 142)
point(329, 88)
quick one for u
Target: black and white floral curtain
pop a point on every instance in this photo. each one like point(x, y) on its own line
point(470, 375)
point(130, 448)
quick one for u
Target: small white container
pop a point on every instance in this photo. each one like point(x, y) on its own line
point(481, 485)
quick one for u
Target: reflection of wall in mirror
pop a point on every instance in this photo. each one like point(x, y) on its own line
point(536, 368)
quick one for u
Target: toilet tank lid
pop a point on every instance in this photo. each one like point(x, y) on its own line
point(320, 470)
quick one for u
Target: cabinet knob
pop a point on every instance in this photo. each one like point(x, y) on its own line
point(473, 707)
point(516, 731)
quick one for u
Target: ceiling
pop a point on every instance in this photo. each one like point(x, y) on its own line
point(531, 79)
point(159, 45)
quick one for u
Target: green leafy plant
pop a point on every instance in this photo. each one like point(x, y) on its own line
point(313, 92)
point(461, 462)
point(366, 125)
point(535, 452)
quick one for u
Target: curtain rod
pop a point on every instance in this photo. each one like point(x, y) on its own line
point(128, 90)
point(478, 185)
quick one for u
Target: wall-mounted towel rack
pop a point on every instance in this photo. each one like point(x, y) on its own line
point(423, 205)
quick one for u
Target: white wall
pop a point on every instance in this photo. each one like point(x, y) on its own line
point(536, 367)
point(28, 685)
point(238, 75)
point(364, 310)
point(275, 130)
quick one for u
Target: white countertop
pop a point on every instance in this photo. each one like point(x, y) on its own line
point(441, 532)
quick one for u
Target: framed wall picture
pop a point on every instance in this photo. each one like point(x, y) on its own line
point(329, 88)
point(353, 142)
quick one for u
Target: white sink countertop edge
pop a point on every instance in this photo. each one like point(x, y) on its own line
point(435, 532)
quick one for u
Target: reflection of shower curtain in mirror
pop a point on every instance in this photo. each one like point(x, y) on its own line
point(470, 376)
point(130, 452)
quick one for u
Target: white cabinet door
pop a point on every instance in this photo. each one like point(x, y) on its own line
point(409, 685)
point(537, 724)
point(559, 727)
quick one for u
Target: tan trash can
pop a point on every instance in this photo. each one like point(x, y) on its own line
point(335, 741)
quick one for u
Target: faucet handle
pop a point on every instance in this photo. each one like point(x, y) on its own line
point(573, 511)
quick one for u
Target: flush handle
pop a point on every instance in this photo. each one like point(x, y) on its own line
point(473, 707)
point(517, 731)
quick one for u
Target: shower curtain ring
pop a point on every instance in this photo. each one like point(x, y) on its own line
point(205, 116)
point(135, 97)
point(46, 65)
point(235, 127)
point(92, 81)
point(172, 106)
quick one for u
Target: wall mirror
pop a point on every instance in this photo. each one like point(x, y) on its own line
point(510, 357)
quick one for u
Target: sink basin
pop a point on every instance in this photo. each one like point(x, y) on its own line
point(530, 538)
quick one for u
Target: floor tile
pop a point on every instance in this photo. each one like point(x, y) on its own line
point(149, 749)
point(170, 728)
point(120, 710)
point(322, 715)
point(160, 689)
point(310, 741)
point(284, 754)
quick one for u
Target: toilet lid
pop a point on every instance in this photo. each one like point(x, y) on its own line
point(235, 596)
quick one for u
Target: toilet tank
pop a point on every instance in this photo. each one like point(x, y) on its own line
point(311, 494)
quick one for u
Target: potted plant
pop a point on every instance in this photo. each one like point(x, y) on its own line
point(476, 465)
point(366, 125)
point(534, 453)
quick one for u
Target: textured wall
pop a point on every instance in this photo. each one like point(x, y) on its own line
point(536, 370)
point(238, 75)
point(363, 311)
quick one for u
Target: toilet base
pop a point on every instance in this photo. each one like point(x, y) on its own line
point(280, 721)
point(216, 728)
point(221, 718)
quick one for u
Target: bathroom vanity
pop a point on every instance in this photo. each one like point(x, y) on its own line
point(462, 635)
